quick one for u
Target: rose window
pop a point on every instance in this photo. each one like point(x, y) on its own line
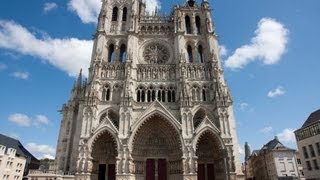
point(156, 53)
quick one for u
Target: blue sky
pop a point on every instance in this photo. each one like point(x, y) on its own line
point(43, 45)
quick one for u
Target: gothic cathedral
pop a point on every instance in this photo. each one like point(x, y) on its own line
point(155, 105)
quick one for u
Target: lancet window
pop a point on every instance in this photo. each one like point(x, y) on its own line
point(114, 14)
point(200, 54)
point(190, 56)
point(111, 53)
point(199, 94)
point(123, 53)
point(124, 14)
point(106, 93)
point(188, 25)
point(151, 94)
point(198, 25)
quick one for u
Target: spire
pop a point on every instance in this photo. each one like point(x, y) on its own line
point(247, 151)
point(78, 83)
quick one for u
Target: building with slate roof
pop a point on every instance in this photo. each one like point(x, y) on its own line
point(308, 141)
point(11, 143)
point(273, 161)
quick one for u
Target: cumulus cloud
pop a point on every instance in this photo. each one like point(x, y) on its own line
point(41, 150)
point(268, 45)
point(287, 135)
point(87, 10)
point(21, 75)
point(68, 54)
point(279, 91)
point(223, 51)
point(266, 130)
point(26, 121)
point(49, 6)
point(20, 119)
point(41, 119)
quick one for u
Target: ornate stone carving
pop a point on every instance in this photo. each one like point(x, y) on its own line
point(156, 53)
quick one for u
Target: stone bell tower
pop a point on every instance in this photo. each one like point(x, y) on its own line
point(155, 105)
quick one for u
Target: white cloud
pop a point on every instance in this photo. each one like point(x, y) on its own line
point(276, 92)
point(3, 66)
point(48, 156)
point(223, 51)
point(41, 119)
point(268, 45)
point(287, 135)
point(21, 75)
point(266, 130)
point(20, 119)
point(41, 150)
point(152, 5)
point(87, 10)
point(68, 54)
point(49, 6)
point(26, 121)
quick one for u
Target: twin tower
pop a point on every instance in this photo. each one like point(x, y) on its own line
point(155, 105)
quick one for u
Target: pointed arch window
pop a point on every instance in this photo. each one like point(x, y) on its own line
point(169, 96)
point(114, 14)
point(198, 25)
point(124, 14)
point(189, 51)
point(138, 96)
point(173, 96)
point(123, 53)
point(188, 25)
point(106, 93)
point(200, 54)
point(111, 53)
point(204, 96)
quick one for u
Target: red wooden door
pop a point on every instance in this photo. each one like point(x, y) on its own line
point(111, 171)
point(210, 171)
point(162, 169)
point(201, 172)
point(150, 169)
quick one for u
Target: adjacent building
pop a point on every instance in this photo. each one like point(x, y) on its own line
point(15, 160)
point(155, 104)
point(272, 162)
point(11, 164)
point(308, 141)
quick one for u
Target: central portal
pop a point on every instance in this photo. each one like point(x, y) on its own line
point(157, 153)
point(156, 169)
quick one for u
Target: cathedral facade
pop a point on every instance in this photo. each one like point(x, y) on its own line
point(155, 105)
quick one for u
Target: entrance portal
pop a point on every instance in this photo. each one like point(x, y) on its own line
point(157, 153)
point(156, 169)
point(210, 158)
point(104, 157)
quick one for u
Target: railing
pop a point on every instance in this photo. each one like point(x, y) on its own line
point(156, 19)
point(50, 172)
